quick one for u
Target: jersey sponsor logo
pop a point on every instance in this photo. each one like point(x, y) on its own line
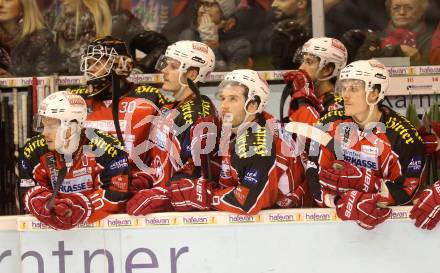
point(361, 159)
point(415, 164)
point(77, 184)
point(225, 172)
point(120, 164)
point(27, 183)
point(404, 129)
point(98, 142)
point(119, 183)
point(367, 149)
point(241, 193)
point(158, 169)
point(105, 125)
point(251, 177)
point(161, 140)
point(79, 172)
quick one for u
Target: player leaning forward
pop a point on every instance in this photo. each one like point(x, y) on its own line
point(72, 175)
point(251, 167)
point(375, 158)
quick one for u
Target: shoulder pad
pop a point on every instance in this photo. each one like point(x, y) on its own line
point(35, 146)
point(188, 110)
point(103, 140)
point(397, 123)
point(82, 91)
point(254, 142)
point(151, 93)
point(332, 116)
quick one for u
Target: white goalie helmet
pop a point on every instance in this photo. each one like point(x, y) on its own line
point(104, 55)
point(189, 54)
point(71, 110)
point(370, 72)
point(254, 84)
point(329, 50)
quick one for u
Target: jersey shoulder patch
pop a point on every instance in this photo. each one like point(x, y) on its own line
point(400, 129)
point(106, 143)
point(82, 91)
point(151, 93)
point(332, 116)
point(35, 147)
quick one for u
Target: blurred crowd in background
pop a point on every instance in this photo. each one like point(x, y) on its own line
point(43, 37)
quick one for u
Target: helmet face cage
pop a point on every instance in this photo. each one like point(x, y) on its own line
point(106, 54)
point(100, 57)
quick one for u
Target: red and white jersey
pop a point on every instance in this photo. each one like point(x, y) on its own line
point(99, 171)
point(137, 109)
point(173, 137)
point(393, 151)
point(258, 172)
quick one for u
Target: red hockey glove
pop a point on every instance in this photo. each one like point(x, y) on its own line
point(362, 208)
point(71, 210)
point(140, 181)
point(302, 87)
point(149, 201)
point(188, 195)
point(430, 141)
point(344, 176)
point(426, 210)
point(35, 200)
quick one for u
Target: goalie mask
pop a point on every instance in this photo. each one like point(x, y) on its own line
point(71, 111)
point(102, 58)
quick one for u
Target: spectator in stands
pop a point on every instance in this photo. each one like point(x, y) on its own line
point(293, 27)
point(343, 15)
point(183, 14)
point(406, 35)
point(125, 26)
point(79, 23)
point(5, 62)
point(434, 57)
point(28, 41)
point(217, 27)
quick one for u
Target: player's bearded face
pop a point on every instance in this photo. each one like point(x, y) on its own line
point(232, 101)
point(310, 64)
point(50, 128)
